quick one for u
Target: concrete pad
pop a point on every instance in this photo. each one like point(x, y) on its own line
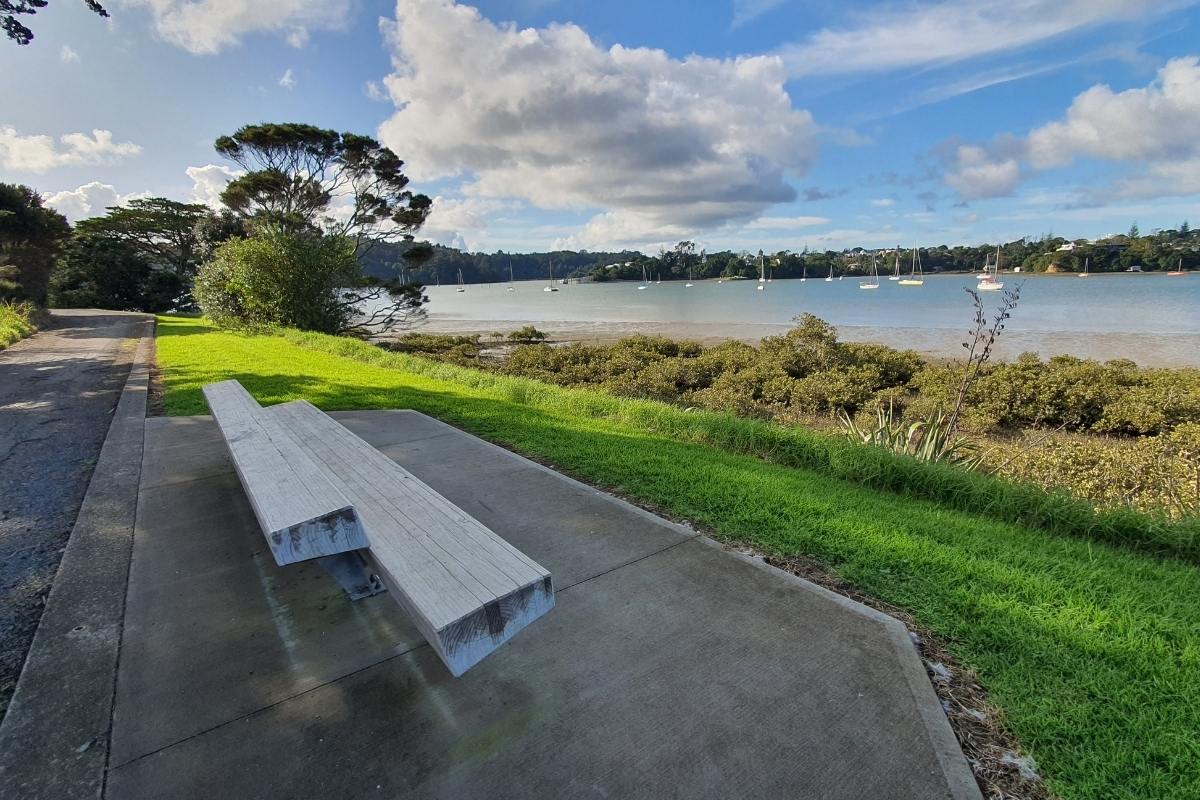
point(202, 569)
point(183, 451)
point(391, 426)
point(669, 668)
point(688, 674)
point(576, 532)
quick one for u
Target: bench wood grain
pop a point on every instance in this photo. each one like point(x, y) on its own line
point(465, 588)
point(301, 512)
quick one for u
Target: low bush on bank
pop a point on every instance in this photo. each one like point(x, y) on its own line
point(807, 371)
point(455, 349)
point(1025, 503)
point(1076, 394)
point(17, 320)
point(1153, 473)
point(1131, 458)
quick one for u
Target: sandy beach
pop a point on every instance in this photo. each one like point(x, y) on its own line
point(1151, 350)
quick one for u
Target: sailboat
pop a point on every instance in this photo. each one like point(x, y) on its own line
point(1175, 273)
point(689, 283)
point(657, 278)
point(873, 281)
point(830, 278)
point(461, 287)
point(762, 273)
point(804, 274)
point(987, 281)
point(1084, 274)
point(895, 276)
point(917, 276)
point(550, 287)
point(511, 288)
point(642, 285)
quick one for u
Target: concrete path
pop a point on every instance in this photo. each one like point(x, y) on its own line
point(669, 668)
point(58, 390)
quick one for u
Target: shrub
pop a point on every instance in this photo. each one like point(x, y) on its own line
point(17, 320)
point(277, 278)
point(1154, 473)
point(527, 334)
point(1067, 392)
point(457, 349)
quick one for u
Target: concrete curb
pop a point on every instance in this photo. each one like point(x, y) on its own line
point(959, 778)
point(54, 740)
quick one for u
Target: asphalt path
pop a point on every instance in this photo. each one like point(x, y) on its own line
point(58, 390)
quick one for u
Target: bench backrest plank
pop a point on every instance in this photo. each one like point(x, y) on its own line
point(302, 513)
point(467, 589)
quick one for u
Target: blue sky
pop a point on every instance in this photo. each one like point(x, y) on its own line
point(737, 123)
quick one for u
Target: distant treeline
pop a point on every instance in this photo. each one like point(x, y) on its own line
point(1158, 252)
point(387, 259)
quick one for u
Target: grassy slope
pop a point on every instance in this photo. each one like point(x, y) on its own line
point(16, 322)
point(1092, 651)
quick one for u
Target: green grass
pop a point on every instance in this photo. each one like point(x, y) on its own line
point(1092, 650)
point(16, 322)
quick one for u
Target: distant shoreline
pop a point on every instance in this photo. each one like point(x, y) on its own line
point(1148, 350)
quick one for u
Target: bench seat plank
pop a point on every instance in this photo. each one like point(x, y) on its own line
point(301, 512)
point(465, 588)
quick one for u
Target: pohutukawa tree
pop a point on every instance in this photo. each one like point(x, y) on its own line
point(11, 9)
point(307, 178)
point(308, 182)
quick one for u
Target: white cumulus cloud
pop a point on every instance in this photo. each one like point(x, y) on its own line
point(658, 145)
point(459, 221)
point(978, 172)
point(38, 153)
point(1152, 129)
point(208, 26)
point(209, 181)
point(89, 200)
point(67, 54)
point(1159, 121)
point(94, 198)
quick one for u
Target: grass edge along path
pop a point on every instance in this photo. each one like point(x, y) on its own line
point(17, 321)
point(1092, 651)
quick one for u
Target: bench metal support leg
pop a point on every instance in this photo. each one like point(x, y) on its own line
point(352, 574)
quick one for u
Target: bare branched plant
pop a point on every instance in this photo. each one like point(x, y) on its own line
point(979, 347)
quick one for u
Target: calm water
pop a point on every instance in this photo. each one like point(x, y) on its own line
point(1151, 318)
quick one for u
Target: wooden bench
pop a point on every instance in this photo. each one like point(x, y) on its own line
point(467, 590)
point(301, 512)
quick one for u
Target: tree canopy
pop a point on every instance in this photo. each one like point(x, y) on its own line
point(162, 230)
point(141, 256)
point(304, 178)
point(31, 236)
point(20, 33)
